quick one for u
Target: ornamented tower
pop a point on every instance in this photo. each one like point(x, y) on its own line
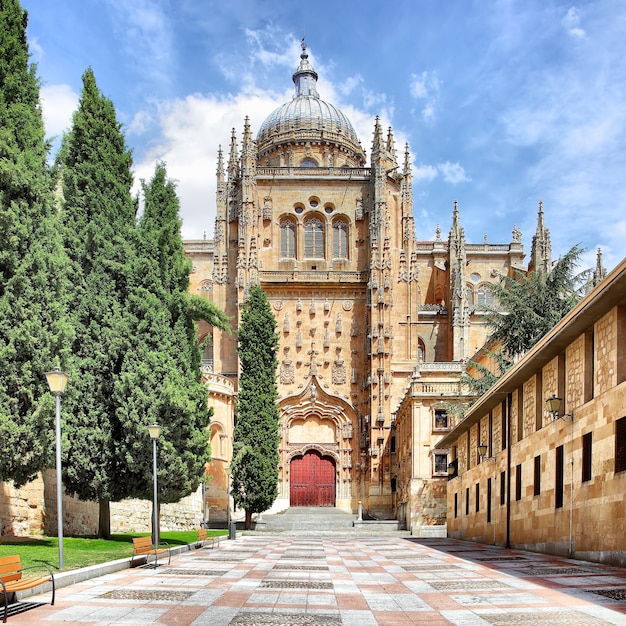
point(360, 304)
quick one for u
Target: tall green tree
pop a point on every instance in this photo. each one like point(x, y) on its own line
point(33, 329)
point(99, 232)
point(255, 443)
point(534, 303)
point(529, 306)
point(160, 379)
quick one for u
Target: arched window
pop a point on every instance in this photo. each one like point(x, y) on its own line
point(421, 350)
point(314, 238)
point(308, 163)
point(484, 296)
point(340, 240)
point(287, 239)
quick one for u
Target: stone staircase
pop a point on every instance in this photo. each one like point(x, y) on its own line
point(308, 519)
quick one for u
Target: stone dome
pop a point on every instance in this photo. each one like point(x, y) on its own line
point(308, 118)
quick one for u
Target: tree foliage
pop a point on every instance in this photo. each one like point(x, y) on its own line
point(530, 305)
point(255, 446)
point(99, 233)
point(160, 379)
point(33, 329)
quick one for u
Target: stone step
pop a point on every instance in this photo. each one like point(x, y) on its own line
point(307, 518)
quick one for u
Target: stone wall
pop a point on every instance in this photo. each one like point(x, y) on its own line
point(31, 511)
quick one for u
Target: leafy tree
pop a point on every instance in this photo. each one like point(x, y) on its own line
point(160, 379)
point(255, 444)
point(33, 329)
point(99, 232)
point(530, 305)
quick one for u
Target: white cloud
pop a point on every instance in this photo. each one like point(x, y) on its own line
point(350, 84)
point(58, 103)
point(453, 173)
point(571, 23)
point(191, 129)
point(425, 88)
point(425, 173)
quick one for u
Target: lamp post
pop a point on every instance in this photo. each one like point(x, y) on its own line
point(553, 405)
point(155, 433)
point(57, 381)
point(231, 534)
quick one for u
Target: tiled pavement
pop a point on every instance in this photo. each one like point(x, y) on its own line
point(356, 580)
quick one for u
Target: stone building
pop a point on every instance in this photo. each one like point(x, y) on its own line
point(551, 478)
point(374, 324)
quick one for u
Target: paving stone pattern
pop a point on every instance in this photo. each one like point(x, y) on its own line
point(357, 580)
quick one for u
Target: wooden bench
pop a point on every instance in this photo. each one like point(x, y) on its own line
point(142, 546)
point(204, 540)
point(11, 579)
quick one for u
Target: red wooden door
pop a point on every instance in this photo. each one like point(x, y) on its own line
point(312, 480)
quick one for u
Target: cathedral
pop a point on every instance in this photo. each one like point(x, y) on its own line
point(375, 325)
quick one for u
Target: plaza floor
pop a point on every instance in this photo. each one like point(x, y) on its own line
point(356, 580)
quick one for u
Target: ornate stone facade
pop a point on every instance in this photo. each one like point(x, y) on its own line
point(358, 300)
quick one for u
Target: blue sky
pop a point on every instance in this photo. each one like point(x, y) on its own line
point(503, 102)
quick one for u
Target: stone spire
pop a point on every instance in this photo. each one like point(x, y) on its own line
point(391, 146)
point(377, 144)
point(220, 165)
point(541, 251)
point(233, 160)
point(598, 275)
point(459, 305)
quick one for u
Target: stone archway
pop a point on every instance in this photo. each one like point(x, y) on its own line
point(312, 480)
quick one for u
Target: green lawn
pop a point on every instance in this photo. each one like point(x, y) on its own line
point(83, 551)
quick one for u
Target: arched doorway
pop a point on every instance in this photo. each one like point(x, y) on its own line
point(312, 480)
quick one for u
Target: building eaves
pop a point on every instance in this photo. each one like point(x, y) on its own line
point(609, 293)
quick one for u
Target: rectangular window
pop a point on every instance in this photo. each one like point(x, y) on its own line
point(520, 413)
point(537, 476)
point(477, 497)
point(518, 482)
point(488, 500)
point(589, 361)
point(558, 478)
point(467, 501)
point(456, 505)
point(621, 344)
point(586, 457)
point(502, 488)
point(539, 403)
point(441, 463)
point(441, 419)
point(505, 420)
point(620, 445)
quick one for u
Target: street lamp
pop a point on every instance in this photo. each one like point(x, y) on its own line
point(155, 433)
point(553, 404)
point(231, 534)
point(57, 381)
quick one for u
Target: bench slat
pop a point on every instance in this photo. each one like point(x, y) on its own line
point(11, 580)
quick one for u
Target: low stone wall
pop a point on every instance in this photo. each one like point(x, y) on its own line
point(31, 511)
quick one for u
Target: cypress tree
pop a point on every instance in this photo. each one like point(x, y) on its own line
point(160, 379)
point(99, 232)
point(256, 437)
point(33, 330)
